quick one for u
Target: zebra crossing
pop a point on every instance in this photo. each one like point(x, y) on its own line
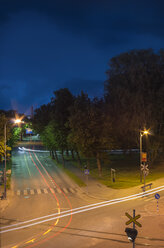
point(56, 190)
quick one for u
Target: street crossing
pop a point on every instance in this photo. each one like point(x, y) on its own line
point(56, 190)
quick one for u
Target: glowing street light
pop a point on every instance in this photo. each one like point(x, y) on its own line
point(17, 121)
point(142, 133)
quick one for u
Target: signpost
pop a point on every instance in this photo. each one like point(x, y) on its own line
point(113, 175)
point(157, 196)
point(132, 232)
point(86, 172)
point(145, 170)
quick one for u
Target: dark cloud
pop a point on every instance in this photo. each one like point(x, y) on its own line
point(101, 21)
point(46, 45)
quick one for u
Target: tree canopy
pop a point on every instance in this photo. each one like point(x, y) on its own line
point(134, 92)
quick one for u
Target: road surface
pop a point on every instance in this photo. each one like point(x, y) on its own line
point(47, 210)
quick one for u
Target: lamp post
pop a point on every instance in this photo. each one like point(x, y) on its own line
point(4, 195)
point(145, 132)
point(16, 121)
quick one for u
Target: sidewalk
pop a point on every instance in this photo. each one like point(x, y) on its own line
point(5, 202)
point(101, 192)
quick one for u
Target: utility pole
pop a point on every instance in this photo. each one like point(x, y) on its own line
point(5, 162)
point(134, 226)
point(140, 155)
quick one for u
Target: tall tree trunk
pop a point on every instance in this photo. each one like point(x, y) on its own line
point(67, 153)
point(72, 155)
point(56, 156)
point(63, 160)
point(99, 164)
point(78, 158)
point(53, 157)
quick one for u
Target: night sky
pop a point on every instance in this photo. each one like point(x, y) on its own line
point(46, 45)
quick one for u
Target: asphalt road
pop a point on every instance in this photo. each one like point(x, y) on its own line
point(42, 193)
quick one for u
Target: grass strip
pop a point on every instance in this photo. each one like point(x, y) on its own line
point(75, 178)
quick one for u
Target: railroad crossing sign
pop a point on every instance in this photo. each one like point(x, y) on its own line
point(144, 168)
point(131, 219)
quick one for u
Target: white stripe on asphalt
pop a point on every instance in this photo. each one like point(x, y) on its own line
point(45, 191)
point(72, 190)
point(18, 192)
point(25, 191)
point(58, 190)
point(38, 191)
point(65, 190)
point(32, 192)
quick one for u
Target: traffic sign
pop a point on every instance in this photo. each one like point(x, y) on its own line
point(144, 168)
point(86, 172)
point(144, 156)
point(131, 219)
point(157, 196)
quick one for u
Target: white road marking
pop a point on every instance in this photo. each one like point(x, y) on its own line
point(25, 192)
point(65, 190)
point(45, 191)
point(38, 191)
point(32, 192)
point(72, 190)
point(18, 192)
point(58, 190)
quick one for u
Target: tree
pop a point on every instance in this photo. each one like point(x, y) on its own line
point(42, 117)
point(61, 105)
point(134, 93)
point(89, 130)
point(4, 124)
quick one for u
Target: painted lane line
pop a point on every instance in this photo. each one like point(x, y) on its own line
point(72, 190)
point(59, 190)
point(25, 192)
point(38, 191)
point(30, 241)
point(58, 208)
point(74, 211)
point(18, 192)
point(32, 192)
point(27, 165)
point(65, 190)
point(45, 191)
point(47, 231)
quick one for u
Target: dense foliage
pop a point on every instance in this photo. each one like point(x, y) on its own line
point(133, 101)
point(134, 93)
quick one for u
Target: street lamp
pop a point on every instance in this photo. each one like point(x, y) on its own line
point(142, 133)
point(16, 121)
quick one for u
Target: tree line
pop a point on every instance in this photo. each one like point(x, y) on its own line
point(10, 132)
point(133, 100)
